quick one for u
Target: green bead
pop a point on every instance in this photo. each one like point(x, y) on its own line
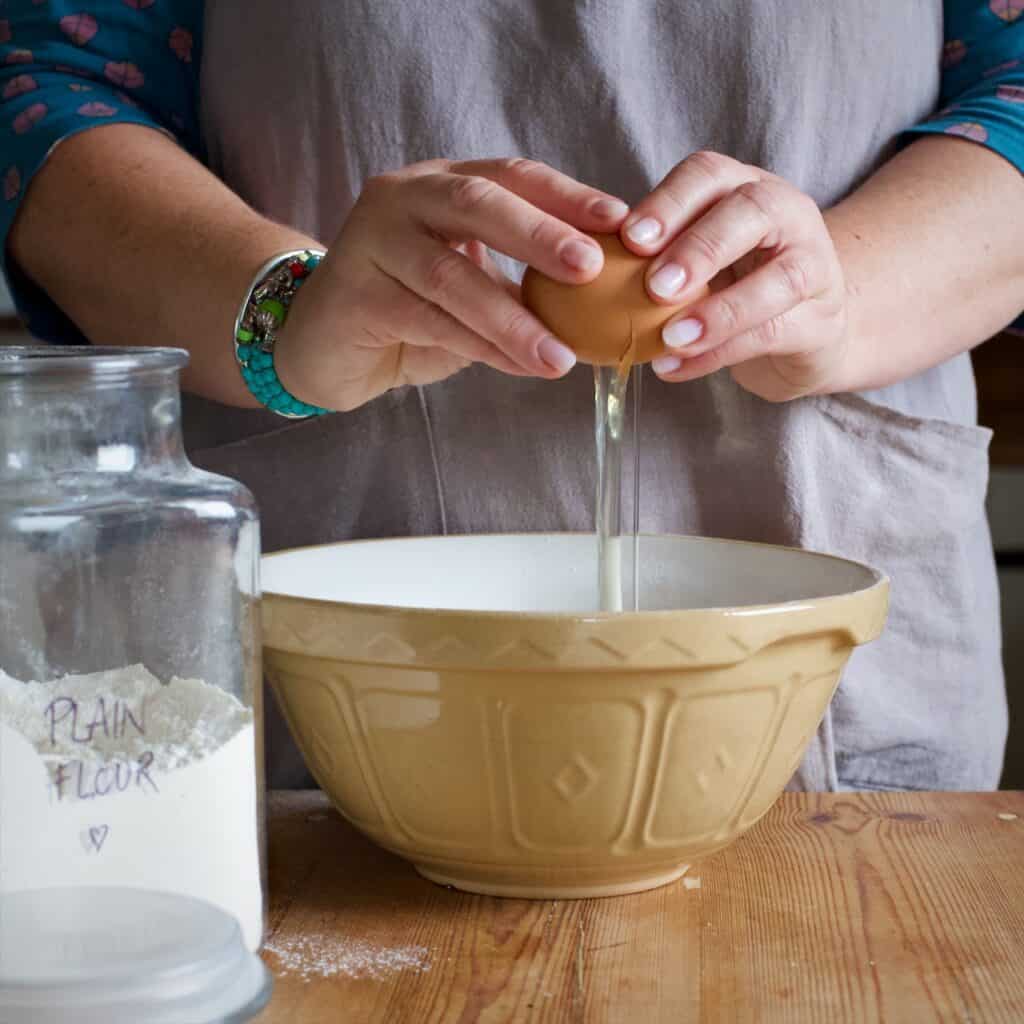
point(244, 336)
point(273, 306)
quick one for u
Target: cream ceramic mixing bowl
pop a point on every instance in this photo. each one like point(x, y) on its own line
point(463, 706)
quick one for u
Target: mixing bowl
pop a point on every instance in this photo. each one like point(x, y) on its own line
point(462, 704)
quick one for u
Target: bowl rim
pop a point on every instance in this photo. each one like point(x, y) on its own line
point(880, 580)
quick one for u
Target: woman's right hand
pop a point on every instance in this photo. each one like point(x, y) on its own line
point(408, 295)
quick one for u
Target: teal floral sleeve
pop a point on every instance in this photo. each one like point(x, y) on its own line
point(66, 67)
point(983, 77)
point(983, 80)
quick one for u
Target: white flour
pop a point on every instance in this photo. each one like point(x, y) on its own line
point(118, 779)
point(318, 956)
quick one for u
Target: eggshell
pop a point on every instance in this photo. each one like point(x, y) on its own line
point(598, 320)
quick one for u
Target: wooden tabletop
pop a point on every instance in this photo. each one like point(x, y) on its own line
point(898, 907)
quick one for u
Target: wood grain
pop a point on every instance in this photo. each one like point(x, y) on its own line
point(892, 907)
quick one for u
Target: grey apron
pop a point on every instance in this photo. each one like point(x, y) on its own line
point(301, 103)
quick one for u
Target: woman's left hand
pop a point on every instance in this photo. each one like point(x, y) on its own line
point(777, 312)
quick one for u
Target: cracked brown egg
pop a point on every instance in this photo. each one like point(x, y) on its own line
point(599, 320)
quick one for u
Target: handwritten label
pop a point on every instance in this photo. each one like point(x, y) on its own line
point(114, 720)
point(87, 780)
point(98, 836)
point(71, 722)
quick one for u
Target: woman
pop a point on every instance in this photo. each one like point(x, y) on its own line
point(782, 145)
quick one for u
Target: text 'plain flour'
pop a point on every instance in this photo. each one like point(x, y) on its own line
point(116, 778)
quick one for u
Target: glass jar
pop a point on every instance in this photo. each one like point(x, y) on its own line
point(130, 685)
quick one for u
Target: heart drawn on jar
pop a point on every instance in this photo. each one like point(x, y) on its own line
point(98, 836)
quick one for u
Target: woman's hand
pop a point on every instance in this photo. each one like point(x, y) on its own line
point(777, 314)
point(408, 295)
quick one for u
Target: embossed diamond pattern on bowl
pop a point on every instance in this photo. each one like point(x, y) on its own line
point(557, 753)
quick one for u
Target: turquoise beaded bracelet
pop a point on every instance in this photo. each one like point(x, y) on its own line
point(260, 318)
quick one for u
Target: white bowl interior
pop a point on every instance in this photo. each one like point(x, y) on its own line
point(556, 573)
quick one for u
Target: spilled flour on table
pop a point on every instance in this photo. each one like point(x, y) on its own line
point(318, 956)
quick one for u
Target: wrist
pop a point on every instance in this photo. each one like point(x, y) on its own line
point(847, 362)
point(261, 317)
point(851, 368)
point(292, 353)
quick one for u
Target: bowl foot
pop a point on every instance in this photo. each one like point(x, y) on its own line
point(551, 891)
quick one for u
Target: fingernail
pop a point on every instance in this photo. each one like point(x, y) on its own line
point(581, 256)
point(558, 356)
point(682, 332)
point(609, 209)
point(668, 280)
point(666, 364)
point(644, 231)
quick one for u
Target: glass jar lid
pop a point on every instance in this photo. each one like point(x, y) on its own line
point(119, 956)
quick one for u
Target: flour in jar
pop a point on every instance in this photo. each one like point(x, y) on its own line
point(115, 778)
